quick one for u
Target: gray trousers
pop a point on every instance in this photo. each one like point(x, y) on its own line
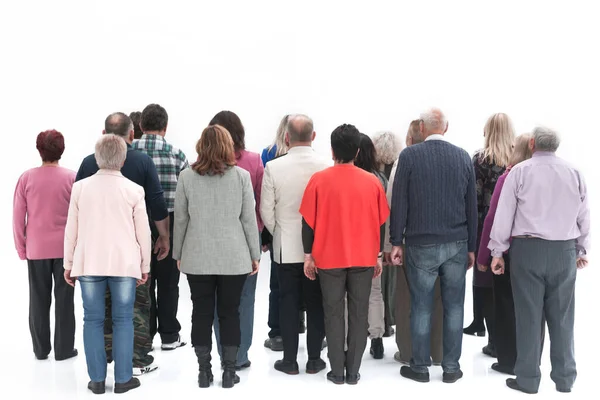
point(376, 311)
point(355, 285)
point(543, 283)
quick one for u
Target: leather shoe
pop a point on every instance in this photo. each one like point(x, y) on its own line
point(338, 380)
point(503, 369)
point(490, 350)
point(243, 366)
point(512, 383)
point(275, 344)
point(408, 373)
point(352, 379)
point(72, 354)
point(127, 386)
point(475, 329)
point(451, 377)
point(97, 387)
point(315, 366)
point(287, 367)
point(377, 348)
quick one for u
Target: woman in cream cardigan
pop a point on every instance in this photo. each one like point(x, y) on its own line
point(107, 243)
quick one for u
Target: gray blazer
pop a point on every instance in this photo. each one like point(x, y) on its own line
point(215, 230)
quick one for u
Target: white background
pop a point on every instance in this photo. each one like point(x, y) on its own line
point(375, 64)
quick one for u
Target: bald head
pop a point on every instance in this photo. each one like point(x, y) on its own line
point(300, 129)
point(433, 121)
point(118, 124)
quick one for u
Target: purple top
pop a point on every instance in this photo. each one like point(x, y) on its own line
point(543, 197)
point(484, 254)
point(252, 163)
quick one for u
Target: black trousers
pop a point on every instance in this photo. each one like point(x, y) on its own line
point(294, 287)
point(273, 320)
point(41, 273)
point(355, 284)
point(164, 294)
point(505, 335)
point(489, 316)
point(227, 290)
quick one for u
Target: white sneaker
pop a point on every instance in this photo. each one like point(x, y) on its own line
point(172, 346)
point(144, 370)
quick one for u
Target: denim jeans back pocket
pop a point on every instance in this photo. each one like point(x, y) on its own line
point(426, 258)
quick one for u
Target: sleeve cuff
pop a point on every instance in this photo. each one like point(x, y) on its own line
point(497, 254)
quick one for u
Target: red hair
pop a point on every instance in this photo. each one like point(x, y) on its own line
point(51, 145)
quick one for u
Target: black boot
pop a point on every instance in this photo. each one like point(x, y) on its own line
point(205, 375)
point(229, 356)
point(377, 348)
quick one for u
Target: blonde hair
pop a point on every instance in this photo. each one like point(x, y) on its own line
point(521, 150)
point(387, 147)
point(499, 137)
point(111, 151)
point(279, 141)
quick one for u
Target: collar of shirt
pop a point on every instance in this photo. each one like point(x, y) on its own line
point(435, 136)
point(109, 172)
point(544, 154)
point(300, 149)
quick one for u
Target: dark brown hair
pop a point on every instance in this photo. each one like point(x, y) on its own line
point(136, 119)
point(215, 151)
point(232, 123)
point(51, 145)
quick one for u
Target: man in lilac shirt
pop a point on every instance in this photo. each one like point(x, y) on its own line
point(544, 208)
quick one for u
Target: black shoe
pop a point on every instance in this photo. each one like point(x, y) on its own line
point(72, 354)
point(352, 379)
point(315, 366)
point(229, 355)
point(338, 380)
point(205, 375)
point(377, 348)
point(126, 387)
point(503, 369)
point(41, 358)
point(475, 329)
point(275, 343)
point(389, 331)
point(243, 366)
point(287, 367)
point(490, 350)
point(97, 387)
point(451, 377)
point(512, 383)
point(408, 373)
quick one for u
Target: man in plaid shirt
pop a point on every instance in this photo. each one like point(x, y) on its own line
point(169, 162)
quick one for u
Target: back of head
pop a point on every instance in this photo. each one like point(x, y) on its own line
point(118, 124)
point(387, 147)
point(345, 141)
point(136, 119)
point(433, 121)
point(366, 158)
point(521, 150)
point(499, 137)
point(232, 123)
point(545, 139)
point(300, 129)
point(215, 151)
point(413, 136)
point(111, 151)
point(51, 145)
point(154, 119)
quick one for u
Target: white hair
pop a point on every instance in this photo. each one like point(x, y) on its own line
point(387, 147)
point(545, 139)
point(434, 120)
point(111, 151)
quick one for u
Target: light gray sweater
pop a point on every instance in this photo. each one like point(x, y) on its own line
point(215, 229)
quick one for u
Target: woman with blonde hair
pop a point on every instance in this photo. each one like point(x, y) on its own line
point(504, 308)
point(388, 146)
point(489, 163)
point(216, 244)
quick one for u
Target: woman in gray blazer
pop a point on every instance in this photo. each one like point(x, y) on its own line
point(215, 243)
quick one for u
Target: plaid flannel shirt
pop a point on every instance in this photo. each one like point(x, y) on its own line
point(169, 162)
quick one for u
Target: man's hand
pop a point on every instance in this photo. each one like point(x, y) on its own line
point(144, 279)
point(582, 262)
point(378, 268)
point(397, 255)
point(310, 269)
point(482, 267)
point(471, 260)
point(70, 281)
point(497, 265)
point(162, 247)
point(265, 248)
point(255, 267)
point(387, 259)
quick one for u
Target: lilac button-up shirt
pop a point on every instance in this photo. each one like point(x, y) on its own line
point(543, 197)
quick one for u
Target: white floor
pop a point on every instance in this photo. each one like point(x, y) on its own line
point(21, 373)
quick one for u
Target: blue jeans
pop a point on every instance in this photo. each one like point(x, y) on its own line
point(424, 264)
point(246, 320)
point(122, 294)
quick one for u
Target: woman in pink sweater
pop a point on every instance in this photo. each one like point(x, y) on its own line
point(41, 203)
point(107, 244)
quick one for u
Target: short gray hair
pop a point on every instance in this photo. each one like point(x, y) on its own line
point(434, 120)
point(545, 139)
point(300, 127)
point(111, 151)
